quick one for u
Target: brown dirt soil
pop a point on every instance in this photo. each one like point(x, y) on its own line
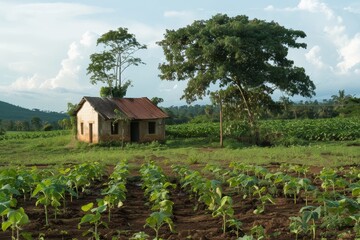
point(130, 218)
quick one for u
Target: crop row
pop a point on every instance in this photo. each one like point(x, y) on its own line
point(332, 197)
point(114, 196)
point(210, 193)
point(332, 129)
point(156, 187)
point(33, 135)
point(334, 194)
point(50, 188)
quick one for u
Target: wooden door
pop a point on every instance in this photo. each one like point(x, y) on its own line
point(90, 132)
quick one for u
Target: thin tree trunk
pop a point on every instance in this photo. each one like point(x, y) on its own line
point(221, 122)
point(250, 115)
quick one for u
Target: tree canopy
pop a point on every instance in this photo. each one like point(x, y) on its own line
point(109, 65)
point(245, 58)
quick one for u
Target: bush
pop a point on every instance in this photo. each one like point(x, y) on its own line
point(47, 127)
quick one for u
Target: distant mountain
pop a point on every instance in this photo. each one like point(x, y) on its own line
point(12, 112)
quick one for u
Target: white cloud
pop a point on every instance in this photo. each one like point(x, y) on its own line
point(146, 34)
point(183, 18)
point(51, 11)
point(178, 14)
point(269, 8)
point(350, 53)
point(315, 6)
point(354, 8)
point(347, 48)
point(313, 56)
point(26, 83)
point(68, 77)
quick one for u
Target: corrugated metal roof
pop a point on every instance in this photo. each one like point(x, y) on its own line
point(132, 108)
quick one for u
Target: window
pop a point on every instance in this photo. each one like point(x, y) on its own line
point(82, 128)
point(114, 128)
point(152, 127)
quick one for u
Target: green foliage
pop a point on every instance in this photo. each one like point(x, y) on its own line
point(139, 236)
point(157, 100)
point(33, 135)
point(115, 193)
point(109, 65)
point(158, 219)
point(11, 112)
point(47, 127)
point(16, 219)
point(246, 58)
point(224, 210)
point(277, 132)
point(93, 217)
point(71, 108)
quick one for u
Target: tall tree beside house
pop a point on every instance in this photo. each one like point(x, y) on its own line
point(109, 65)
point(71, 108)
point(157, 100)
point(246, 58)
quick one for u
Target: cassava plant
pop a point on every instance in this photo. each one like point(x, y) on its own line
point(157, 220)
point(263, 197)
point(93, 217)
point(224, 210)
point(16, 219)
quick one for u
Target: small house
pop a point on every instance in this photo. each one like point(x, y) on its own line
point(119, 119)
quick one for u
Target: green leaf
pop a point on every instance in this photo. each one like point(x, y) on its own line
point(87, 207)
point(6, 225)
point(86, 218)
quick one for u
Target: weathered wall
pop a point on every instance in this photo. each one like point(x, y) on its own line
point(159, 130)
point(87, 115)
point(101, 129)
point(105, 131)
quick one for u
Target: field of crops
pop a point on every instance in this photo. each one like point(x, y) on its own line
point(332, 129)
point(52, 187)
point(33, 134)
point(155, 200)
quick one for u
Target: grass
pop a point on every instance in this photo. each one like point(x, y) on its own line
point(65, 149)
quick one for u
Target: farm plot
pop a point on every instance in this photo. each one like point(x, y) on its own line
point(211, 202)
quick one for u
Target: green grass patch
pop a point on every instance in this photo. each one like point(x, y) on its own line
point(64, 149)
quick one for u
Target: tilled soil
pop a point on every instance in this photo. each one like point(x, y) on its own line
point(131, 217)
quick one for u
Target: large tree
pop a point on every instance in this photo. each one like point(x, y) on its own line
point(245, 58)
point(109, 65)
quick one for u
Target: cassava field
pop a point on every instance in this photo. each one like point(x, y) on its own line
point(53, 187)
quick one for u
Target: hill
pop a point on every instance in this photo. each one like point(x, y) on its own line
point(11, 112)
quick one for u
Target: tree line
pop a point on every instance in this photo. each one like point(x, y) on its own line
point(340, 105)
point(35, 124)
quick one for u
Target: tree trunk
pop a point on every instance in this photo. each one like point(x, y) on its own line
point(251, 118)
point(221, 122)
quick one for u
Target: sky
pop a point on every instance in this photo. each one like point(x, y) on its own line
point(45, 45)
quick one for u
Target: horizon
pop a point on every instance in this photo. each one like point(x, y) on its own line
point(45, 45)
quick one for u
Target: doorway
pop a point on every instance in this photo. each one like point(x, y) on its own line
point(134, 131)
point(90, 132)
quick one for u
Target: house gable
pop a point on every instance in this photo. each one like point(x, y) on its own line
point(87, 123)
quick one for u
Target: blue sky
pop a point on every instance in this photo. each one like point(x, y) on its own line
point(45, 45)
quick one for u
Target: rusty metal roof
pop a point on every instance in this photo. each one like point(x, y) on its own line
point(132, 108)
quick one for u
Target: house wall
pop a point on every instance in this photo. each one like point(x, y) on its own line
point(87, 116)
point(159, 134)
point(101, 129)
point(105, 131)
